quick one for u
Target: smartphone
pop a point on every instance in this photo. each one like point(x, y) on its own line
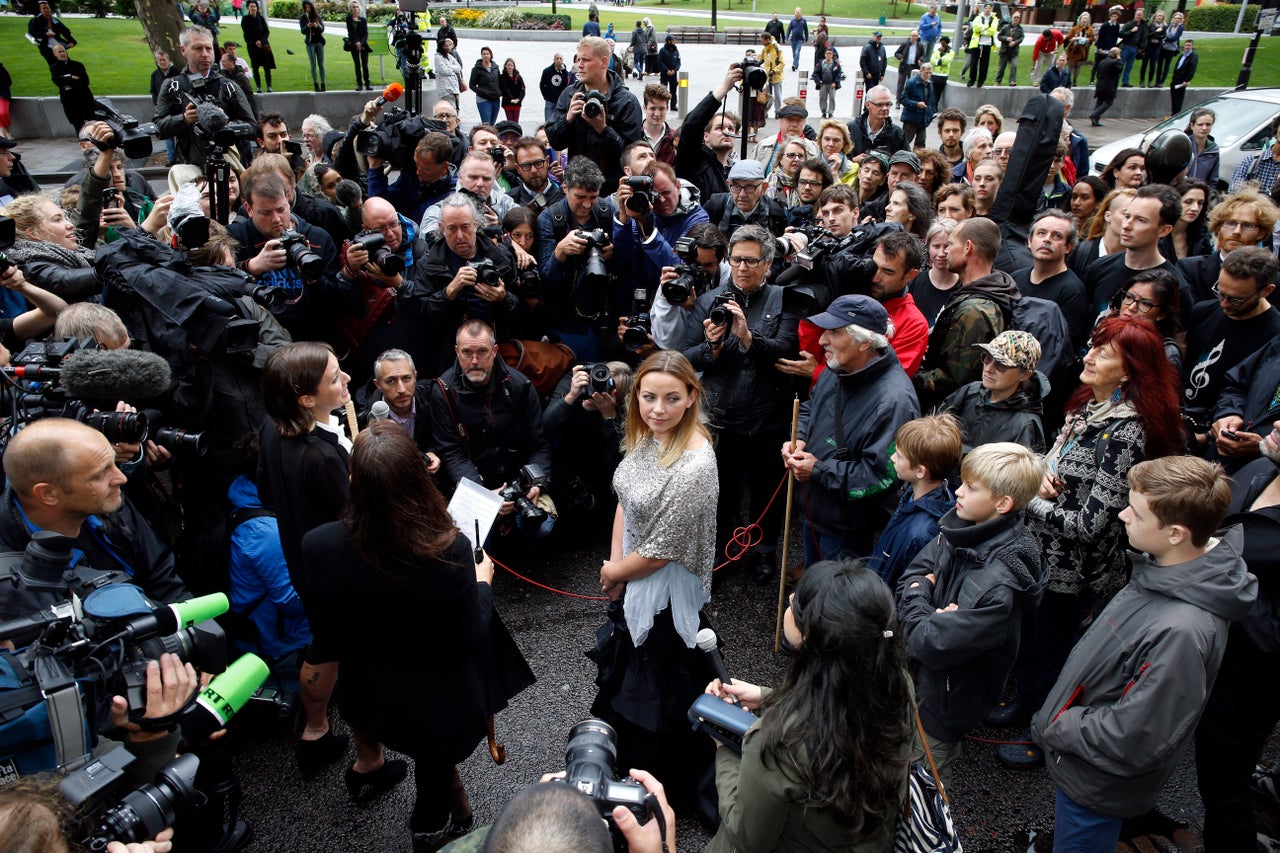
point(110, 198)
point(1228, 433)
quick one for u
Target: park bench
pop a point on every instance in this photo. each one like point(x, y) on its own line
point(742, 35)
point(693, 35)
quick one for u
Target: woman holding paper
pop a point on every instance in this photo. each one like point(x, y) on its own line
point(658, 578)
point(425, 659)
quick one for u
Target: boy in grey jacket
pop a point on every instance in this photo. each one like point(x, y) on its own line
point(1126, 704)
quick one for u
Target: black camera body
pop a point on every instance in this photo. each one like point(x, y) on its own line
point(394, 138)
point(126, 132)
point(51, 401)
point(719, 315)
point(594, 270)
point(754, 77)
point(299, 254)
point(106, 814)
point(599, 379)
point(498, 155)
point(486, 271)
point(528, 282)
point(387, 261)
point(639, 326)
point(594, 103)
point(526, 478)
point(641, 199)
point(692, 280)
point(589, 758)
point(111, 198)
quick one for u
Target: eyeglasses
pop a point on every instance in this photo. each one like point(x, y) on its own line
point(744, 188)
point(1234, 301)
point(533, 166)
point(389, 228)
point(881, 104)
point(749, 263)
point(475, 354)
point(443, 116)
point(1142, 306)
point(794, 155)
point(988, 360)
point(1244, 227)
point(805, 182)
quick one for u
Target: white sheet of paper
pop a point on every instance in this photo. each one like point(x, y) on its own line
point(472, 502)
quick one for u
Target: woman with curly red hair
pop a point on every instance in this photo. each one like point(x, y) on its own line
point(1125, 411)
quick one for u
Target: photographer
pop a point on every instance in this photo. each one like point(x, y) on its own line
point(106, 204)
point(585, 423)
point(573, 303)
point(477, 179)
point(706, 165)
point(17, 329)
point(314, 211)
point(613, 120)
point(669, 323)
point(391, 311)
point(534, 187)
point(463, 277)
point(651, 217)
point(432, 179)
point(313, 294)
point(738, 333)
point(62, 477)
point(176, 115)
point(488, 420)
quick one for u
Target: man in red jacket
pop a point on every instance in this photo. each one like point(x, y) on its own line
point(898, 259)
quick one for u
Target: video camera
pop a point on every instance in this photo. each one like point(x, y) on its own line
point(213, 125)
point(527, 477)
point(126, 131)
point(693, 279)
point(394, 138)
point(589, 759)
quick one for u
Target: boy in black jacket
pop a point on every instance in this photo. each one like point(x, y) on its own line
point(961, 601)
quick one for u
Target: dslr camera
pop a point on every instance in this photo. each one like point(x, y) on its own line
point(526, 478)
point(595, 272)
point(719, 314)
point(299, 254)
point(126, 131)
point(135, 816)
point(754, 77)
point(486, 272)
point(599, 379)
point(639, 327)
point(589, 759)
point(641, 200)
point(692, 280)
point(593, 103)
point(387, 261)
point(528, 283)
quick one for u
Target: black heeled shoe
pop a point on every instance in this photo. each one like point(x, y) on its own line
point(314, 754)
point(366, 786)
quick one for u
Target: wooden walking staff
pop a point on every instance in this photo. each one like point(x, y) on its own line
point(786, 529)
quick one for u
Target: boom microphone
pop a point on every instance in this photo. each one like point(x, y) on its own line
point(391, 93)
point(211, 117)
point(122, 374)
point(708, 643)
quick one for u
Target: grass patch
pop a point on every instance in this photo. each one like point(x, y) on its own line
point(119, 61)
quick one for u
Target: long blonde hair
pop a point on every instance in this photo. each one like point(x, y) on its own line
point(693, 422)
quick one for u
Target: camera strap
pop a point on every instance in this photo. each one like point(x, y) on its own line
point(449, 401)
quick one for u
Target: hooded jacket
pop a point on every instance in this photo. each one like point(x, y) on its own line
point(1015, 418)
point(992, 571)
point(484, 82)
point(624, 125)
point(975, 313)
point(914, 525)
point(1125, 706)
point(853, 470)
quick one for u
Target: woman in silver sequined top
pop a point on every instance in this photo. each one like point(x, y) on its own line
point(657, 578)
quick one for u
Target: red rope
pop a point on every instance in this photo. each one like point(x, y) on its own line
point(532, 582)
point(977, 739)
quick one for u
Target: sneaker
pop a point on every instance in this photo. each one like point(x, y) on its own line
point(1009, 715)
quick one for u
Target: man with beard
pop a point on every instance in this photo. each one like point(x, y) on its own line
point(815, 176)
point(533, 187)
point(899, 257)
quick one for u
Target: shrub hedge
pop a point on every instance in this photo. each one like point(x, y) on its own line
point(1220, 19)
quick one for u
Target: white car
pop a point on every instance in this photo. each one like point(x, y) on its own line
point(1242, 127)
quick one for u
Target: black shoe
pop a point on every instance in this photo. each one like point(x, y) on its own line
point(766, 571)
point(1020, 756)
point(366, 786)
point(314, 754)
point(1093, 121)
point(1012, 714)
point(1126, 85)
point(322, 87)
point(317, 86)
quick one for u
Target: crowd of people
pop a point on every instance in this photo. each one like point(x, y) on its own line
point(1039, 407)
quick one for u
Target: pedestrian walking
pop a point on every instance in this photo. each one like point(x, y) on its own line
point(512, 86)
point(797, 35)
point(1011, 37)
point(1104, 95)
point(236, 7)
point(827, 75)
point(72, 81)
point(357, 44)
point(669, 64)
point(313, 37)
point(257, 37)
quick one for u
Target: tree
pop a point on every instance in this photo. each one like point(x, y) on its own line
point(162, 24)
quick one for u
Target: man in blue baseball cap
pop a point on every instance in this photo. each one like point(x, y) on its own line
point(841, 455)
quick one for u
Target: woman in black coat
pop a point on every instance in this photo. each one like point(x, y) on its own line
point(72, 81)
point(512, 85)
point(669, 66)
point(257, 38)
point(358, 45)
point(412, 610)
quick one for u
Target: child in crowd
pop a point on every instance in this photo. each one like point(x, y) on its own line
point(926, 451)
point(961, 601)
point(1005, 405)
point(1124, 708)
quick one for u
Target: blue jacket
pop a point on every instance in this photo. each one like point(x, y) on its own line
point(913, 525)
point(629, 248)
point(913, 92)
point(1055, 78)
point(930, 31)
point(260, 587)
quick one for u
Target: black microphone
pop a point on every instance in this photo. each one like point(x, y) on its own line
point(122, 374)
point(708, 643)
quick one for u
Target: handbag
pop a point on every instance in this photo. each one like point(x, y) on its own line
point(346, 44)
point(926, 825)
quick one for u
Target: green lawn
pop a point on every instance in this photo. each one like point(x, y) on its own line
point(624, 20)
point(118, 61)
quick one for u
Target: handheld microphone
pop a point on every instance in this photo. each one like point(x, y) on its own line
point(223, 699)
point(391, 93)
point(708, 643)
point(379, 411)
point(122, 374)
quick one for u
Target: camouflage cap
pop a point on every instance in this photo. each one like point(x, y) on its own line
point(1014, 349)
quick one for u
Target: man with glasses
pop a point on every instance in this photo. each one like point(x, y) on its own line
point(1003, 147)
point(874, 128)
point(707, 165)
point(1244, 218)
point(747, 399)
point(1145, 220)
point(745, 202)
point(644, 232)
point(446, 114)
point(791, 118)
point(1223, 334)
point(533, 186)
point(815, 176)
point(488, 422)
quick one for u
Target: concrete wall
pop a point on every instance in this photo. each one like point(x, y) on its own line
point(1130, 103)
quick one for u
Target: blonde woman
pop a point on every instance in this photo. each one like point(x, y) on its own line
point(1080, 44)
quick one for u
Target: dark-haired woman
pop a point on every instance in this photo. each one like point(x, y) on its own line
point(313, 37)
point(303, 474)
point(1127, 169)
point(825, 768)
point(1190, 235)
point(396, 582)
point(257, 38)
point(1125, 411)
point(358, 44)
point(1155, 295)
point(1086, 195)
point(1205, 154)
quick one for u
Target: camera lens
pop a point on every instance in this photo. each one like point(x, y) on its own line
point(119, 427)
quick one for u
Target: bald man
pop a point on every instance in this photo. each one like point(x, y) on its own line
point(62, 478)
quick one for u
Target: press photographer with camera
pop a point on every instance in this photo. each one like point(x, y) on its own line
point(487, 420)
point(33, 816)
point(707, 165)
point(827, 764)
point(477, 178)
point(432, 178)
point(176, 115)
point(318, 212)
point(737, 334)
point(106, 204)
point(575, 246)
point(533, 186)
point(584, 422)
point(285, 252)
point(597, 116)
point(703, 253)
point(463, 276)
point(746, 203)
point(652, 215)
